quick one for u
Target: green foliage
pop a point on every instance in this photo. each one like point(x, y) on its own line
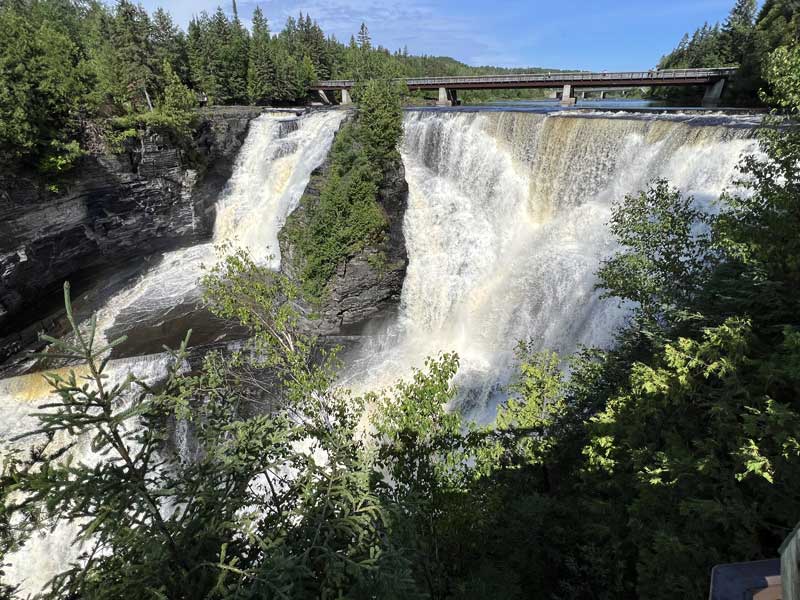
point(346, 218)
point(261, 74)
point(168, 44)
point(620, 474)
point(614, 474)
point(177, 97)
point(41, 80)
point(783, 71)
point(666, 255)
point(129, 58)
point(218, 50)
point(533, 411)
point(277, 500)
point(380, 122)
point(745, 39)
point(692, 457)
point(63, 63)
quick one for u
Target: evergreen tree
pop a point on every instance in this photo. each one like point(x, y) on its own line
point(736, 36)
point(132, 56)
point(236, 59)
point(199, 51)
point(289, 35)
point(220, 57)
point(261, 74)
point(169, 44)
point(364, 40)
point(42, 83)
point(178, 99)
point(308, 74)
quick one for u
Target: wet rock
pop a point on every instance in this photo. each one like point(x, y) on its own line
point(367, 286)
point(154, 196)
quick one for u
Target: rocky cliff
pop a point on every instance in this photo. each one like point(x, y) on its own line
point(368, 284)
point(111, 210)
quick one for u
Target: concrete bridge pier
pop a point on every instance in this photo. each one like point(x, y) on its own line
point(447, 97)
point(346, 99)
point(567, 98)
point(324, 97)
point(713, 93)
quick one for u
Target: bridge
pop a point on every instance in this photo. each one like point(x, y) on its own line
point(568, 83)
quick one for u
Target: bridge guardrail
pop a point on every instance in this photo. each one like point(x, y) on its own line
point(699, 74)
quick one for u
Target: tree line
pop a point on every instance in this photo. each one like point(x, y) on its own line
point(64, 63)
point(745, 39)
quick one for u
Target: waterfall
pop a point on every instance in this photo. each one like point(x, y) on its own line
point(269, 177)
point(268, 180)
point(506, 227)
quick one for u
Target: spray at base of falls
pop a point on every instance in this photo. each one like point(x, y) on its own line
point(270, 175)
point(506, 227)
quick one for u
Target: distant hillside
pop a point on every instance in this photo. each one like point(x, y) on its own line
point(446, 66)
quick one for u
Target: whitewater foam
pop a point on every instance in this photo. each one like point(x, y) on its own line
point(506, 228)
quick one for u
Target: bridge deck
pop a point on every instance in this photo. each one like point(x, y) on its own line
point(553, 80)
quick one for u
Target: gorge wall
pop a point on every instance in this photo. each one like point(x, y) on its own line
point(114, 208)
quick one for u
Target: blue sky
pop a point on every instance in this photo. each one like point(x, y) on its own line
point(580, 34)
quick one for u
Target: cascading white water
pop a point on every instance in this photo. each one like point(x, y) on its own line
point(506, 227)
point(270, 175)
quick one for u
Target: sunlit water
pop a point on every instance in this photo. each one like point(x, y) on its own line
point(270, 175)
point(505, 229)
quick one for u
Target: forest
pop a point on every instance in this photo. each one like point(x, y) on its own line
point(630, 477)
point(744, 40)
point(65, 65)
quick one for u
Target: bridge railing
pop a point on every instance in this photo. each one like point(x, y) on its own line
point(575, 77)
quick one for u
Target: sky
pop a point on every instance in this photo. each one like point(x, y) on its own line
point(592, 35)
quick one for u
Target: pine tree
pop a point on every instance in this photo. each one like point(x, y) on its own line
point(289, 35)
point(226, 51)
point(364, 41)
point(200, 56)
point(236, 59)
point(261, 73)
point(308, 74)
point(42, 84)
point(168, 44)
point(178, 99)
point(736, 37)
point(132, 55)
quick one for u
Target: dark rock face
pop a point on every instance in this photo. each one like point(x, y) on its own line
point(370, 282)
point(113, 209)
point(367, 285)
